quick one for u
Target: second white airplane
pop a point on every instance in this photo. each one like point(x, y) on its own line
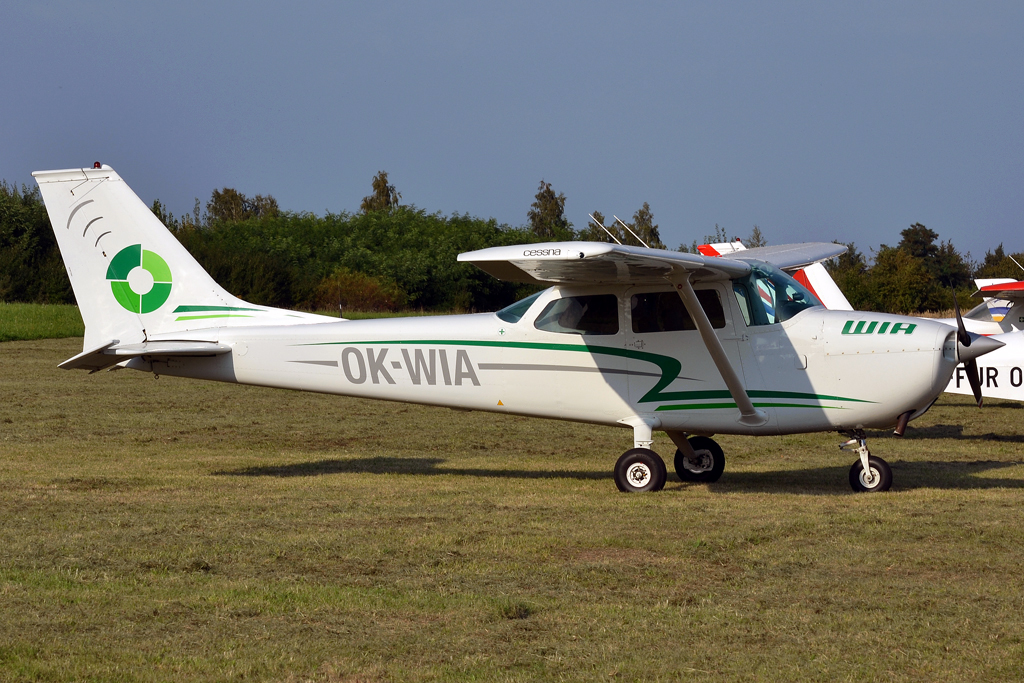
point(640, 338)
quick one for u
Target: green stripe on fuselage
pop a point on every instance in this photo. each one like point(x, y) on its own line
point(710, 406)
point(202, 309)
point(206, 317)
point(670, 368)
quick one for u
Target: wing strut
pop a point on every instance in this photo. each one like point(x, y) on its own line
point(749, 415)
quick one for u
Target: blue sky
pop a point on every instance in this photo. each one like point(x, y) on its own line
point(815, 121)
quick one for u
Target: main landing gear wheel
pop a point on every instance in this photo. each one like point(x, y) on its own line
point(877, 478)
point(707, 464)
point(640, 469)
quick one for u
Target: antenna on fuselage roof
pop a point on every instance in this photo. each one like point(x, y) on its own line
point(631, 231)
point(1015, 261)
point(601, 223)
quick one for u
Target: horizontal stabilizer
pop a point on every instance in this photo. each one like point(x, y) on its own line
point(111, 353)
point(1010, 291)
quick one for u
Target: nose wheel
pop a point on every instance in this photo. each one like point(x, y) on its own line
point(870, 474)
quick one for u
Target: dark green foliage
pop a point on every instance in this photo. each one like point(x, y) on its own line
point(31, 269)
point(597, 231)
point(942, 261)
point(919, 241)
point(547, 215)
point(357, 291)
point(389, 255)
point(384, 198)
point(915, 276)
point(756, 239)
point(646, 229)
point(231, 205)
point(282, 261)
point(901, 283)
point(850, 271)
point(643, 225)
point(998, 263)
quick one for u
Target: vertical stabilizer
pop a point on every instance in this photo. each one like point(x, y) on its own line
point(131, 276)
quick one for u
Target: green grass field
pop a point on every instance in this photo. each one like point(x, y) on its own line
point(158, 530)
point(39, 321)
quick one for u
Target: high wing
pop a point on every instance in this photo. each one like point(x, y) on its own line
point(604, 263)
point(596, 263)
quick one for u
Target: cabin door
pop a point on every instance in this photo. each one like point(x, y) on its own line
point(670, 367)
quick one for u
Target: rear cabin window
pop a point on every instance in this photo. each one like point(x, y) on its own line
point(592, 314)
point(665, 312)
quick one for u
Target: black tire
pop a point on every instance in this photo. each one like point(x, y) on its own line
point(639, 470)
point(709, 465)
point(882, 479)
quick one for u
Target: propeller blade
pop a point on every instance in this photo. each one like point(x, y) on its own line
point(974, 377)
point(961, 330)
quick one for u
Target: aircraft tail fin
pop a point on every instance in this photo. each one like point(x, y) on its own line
point(131, 276)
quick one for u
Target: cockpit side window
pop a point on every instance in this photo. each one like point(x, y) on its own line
point(591, 314)
point(665, 312)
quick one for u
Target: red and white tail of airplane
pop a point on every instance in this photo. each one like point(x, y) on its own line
point(813, 276)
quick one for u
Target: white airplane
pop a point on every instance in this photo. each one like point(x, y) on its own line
point(1000, 316)
point(625, 336)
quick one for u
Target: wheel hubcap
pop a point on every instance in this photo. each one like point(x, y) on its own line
point(870, 478)
point(639, 475)
point(702, 462)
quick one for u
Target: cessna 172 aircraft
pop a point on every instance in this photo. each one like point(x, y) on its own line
point(640, 338)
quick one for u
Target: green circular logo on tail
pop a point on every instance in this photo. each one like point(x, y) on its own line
point(140, 279)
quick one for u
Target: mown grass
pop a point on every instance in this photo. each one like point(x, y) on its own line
point(178, 530)
point(39, 321)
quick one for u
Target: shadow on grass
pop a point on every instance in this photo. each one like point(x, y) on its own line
point(817, 480)
point(907, 475)
point(385, 465)
point(944, 432)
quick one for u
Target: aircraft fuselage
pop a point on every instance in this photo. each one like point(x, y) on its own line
point(821, 370)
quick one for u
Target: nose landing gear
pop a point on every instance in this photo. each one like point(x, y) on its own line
point(870, 474)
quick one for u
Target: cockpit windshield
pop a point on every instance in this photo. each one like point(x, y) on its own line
point(768, 295)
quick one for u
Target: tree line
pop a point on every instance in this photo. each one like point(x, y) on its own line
point(391, 256)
